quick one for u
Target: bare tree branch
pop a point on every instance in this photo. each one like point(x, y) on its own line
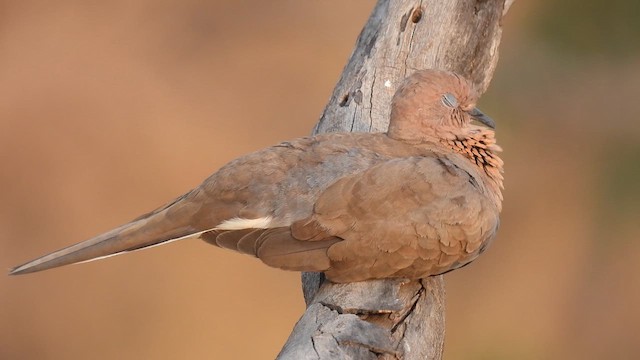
point(393, 319)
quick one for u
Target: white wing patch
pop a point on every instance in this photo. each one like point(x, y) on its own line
point(240, 223)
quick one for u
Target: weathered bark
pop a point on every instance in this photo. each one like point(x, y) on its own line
point(393, 319)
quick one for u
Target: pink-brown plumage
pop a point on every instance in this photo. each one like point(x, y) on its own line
point(422, 199)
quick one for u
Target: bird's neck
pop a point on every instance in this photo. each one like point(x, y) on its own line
point(478, 144)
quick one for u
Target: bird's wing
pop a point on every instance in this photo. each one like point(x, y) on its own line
point(406, 217)
point(409, 217)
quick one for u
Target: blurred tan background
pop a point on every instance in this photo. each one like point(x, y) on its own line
point(111, 108)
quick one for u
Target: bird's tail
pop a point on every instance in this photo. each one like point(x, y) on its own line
point(149, 230)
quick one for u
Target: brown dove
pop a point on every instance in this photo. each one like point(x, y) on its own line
point(419, 200)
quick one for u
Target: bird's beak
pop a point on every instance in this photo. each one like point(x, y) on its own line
point(480, 116)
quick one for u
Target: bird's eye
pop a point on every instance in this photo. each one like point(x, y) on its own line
point(450, 100)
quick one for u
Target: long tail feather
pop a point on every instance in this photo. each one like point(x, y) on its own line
point(138, 234)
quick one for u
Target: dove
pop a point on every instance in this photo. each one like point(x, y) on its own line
point(422, 199)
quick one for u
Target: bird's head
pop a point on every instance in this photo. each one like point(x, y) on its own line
point(430, 101)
